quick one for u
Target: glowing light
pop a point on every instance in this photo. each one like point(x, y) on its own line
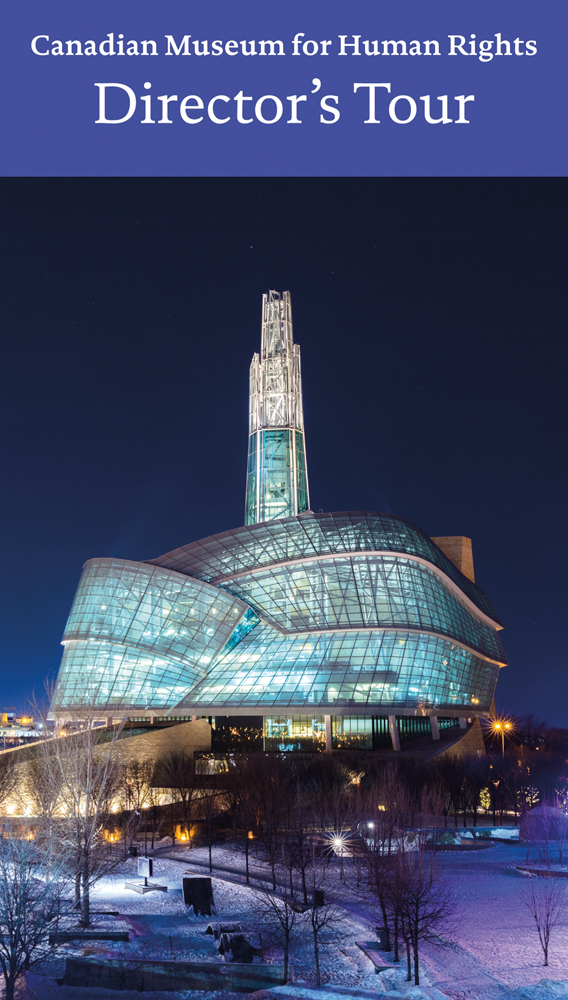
point(500, 726)
point(11, 810)
point(371, 826)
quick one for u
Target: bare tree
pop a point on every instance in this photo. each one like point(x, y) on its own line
point(33, 891)
point(330, 786)
point(298, 843)
point(136, 781)
point(425, 903)
point(8, 776)
point(322, 916)
point(269, 790)
point(388, 802)
point(135, 793)
point(43, 781)
point(282, 916)
point(475, 779)
point(241, 804)
point(450, 774)
point(85, 768)
point(545, 899)
point(176, 771)
point(210, 801)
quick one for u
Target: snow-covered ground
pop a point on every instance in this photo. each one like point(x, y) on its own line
point(494, 952)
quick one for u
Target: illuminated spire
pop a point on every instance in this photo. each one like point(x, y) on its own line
point(277, 478)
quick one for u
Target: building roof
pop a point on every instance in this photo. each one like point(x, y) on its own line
point(219, 557)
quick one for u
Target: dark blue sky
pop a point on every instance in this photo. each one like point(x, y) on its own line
point(432, 320)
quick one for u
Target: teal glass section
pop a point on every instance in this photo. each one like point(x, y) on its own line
point(411, 726)
point(277, 483)
point(359, 590)
point(110, 675)
point(132, 624)
point(251, 496)
point(339, 632)
point(301, 474)
point(360, 732)
point(245, 626)
point(354, 671)
point(447, 723)
point(310, 534)
point(276, 475)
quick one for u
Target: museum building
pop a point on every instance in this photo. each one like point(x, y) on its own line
point(350, 629)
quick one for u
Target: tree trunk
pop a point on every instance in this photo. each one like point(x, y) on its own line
point(85, 896)
point(408, 962)
point(416, 966)
point(395, 937)
point(10, 982)
point(317, 958)
point(384, 913)
point(286, 950)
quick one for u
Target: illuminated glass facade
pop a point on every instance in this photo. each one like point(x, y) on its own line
point(291, 619)
point(365, 632)
point(139, 635)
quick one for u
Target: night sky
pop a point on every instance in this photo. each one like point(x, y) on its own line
point(432, 323)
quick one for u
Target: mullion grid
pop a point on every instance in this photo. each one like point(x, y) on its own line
point(241, 549)
point(397, 592)
point(428, 669)
point(168, 615)
point(114, 675)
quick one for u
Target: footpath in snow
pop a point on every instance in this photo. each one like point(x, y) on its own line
point(494, 952)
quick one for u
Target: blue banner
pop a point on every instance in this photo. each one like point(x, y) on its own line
point(355, 88)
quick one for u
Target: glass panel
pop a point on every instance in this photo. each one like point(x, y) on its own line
point(298, 732)
point(347, 592)
point(350, 671)
point(251, 546)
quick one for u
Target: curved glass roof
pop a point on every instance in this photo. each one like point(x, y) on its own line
point(251, 546)
point(127, 602)
point(363, 590)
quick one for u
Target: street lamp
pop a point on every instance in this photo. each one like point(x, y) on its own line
point(500, 727)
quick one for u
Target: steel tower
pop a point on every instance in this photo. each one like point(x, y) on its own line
point(277, 478)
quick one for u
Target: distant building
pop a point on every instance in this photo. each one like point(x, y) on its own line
point(351, 629)
point(15, 731)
